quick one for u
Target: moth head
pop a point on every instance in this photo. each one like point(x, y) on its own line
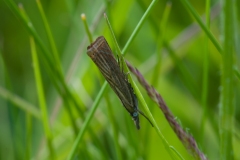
point(136, 119)
point(91, 52)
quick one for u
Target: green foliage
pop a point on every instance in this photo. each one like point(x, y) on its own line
point(62, 108)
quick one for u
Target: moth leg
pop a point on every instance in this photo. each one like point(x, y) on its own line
point(118, 61)
point(145, 117)
point(126, 75)
point(122, 63)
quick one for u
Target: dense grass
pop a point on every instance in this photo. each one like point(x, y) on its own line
point(54, 103)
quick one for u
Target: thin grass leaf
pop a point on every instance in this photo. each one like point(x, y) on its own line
point(205, 29)
point(28, 136)
point(227, 83)
point(157, 69)
point(86, 122)
point(19, 102)
point(41, 98)
point(177, 153)
point(205, 74)
point(50, 37)
point(139, 26)
point(162, 28)
point(83, 17)
point(186, 75)
point(193, 12)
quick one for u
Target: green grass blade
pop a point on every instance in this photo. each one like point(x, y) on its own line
point(176, 153)
point(83, 17)
point(114, 128)
point(28, 25)
point(163, 23)
point(193, 12)
point(205, 74)
point(184, 72)
point(139, 26)
point(28, 136)
point(22, 104)
point(50, 36)
point(87, 121)
point(41, 98)
point(227, 83)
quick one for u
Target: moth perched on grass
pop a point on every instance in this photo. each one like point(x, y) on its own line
point(101, 54)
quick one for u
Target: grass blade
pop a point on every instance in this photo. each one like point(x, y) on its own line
point(50, 36)
point(227, 92)
point(41, 98)
point(86, 122)
point(22, 104)
point(188, 6)
point(205, 73)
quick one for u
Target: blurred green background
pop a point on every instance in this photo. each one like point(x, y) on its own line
point(179, 81)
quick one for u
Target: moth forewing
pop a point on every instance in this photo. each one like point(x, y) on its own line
point(101, 54)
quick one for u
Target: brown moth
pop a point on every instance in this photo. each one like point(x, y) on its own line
point(101, 54)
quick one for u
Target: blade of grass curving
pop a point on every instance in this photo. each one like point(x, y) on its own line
point(50, 37)
point(205, 74)
point(137, 91)
point(227, 81)
point(193, 12)
point(41, 98)
point(19, 102)
point(87, 121)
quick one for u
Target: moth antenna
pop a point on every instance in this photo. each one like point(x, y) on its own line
point(145, 117)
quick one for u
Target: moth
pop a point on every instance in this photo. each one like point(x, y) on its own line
point(101, 54)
